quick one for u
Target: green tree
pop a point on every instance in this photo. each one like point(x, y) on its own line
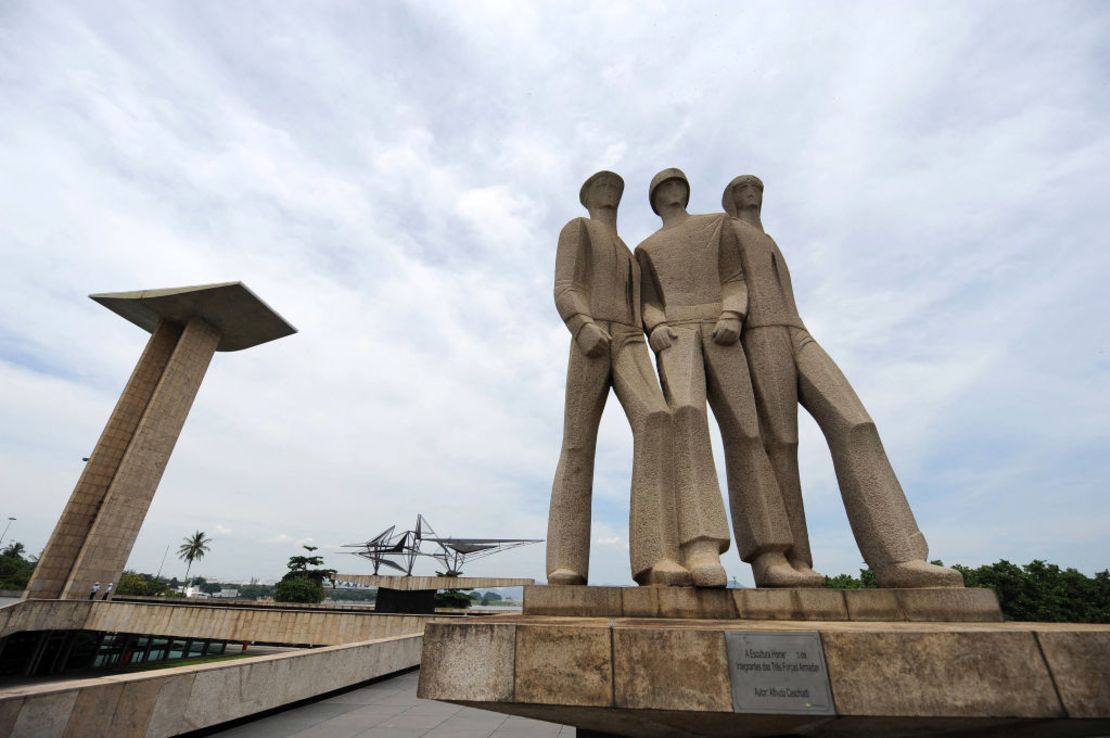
point(304, 582)
point(14, 549)
point(453, 599)
point(1043, 592)
point(865, 580)
point(298, 590)
point(15, 570)
point(256, 591)
point(193, 548)
point(141, 585)
point(1037, 591)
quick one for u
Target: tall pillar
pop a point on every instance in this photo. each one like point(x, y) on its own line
point(100, 523)
point(56, 563)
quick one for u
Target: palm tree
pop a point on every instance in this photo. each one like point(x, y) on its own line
point(193, 549)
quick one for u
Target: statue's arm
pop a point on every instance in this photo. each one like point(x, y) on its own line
point(660, 335)
point(572, 289)
point(651, 304)
point(734, 288)
point(784, 277)
point(572, 284)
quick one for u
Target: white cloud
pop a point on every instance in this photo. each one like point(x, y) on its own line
point(935, 181)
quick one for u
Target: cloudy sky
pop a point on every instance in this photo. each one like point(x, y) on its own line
point(392, 178)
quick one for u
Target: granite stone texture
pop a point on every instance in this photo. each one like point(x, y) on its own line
point(939, 674)
point(693, 301)
point(662, 669)
point(970, 605)
point(1079, 663)
point(597, 294)
point(671, 677)
point(714, 295)
point(563, 665)
point(788, 368)
point(476, 663)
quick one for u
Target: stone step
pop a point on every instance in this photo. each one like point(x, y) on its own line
point(971, 605)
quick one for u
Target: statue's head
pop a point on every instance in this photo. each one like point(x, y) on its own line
point(743, 193)
point(669, 187)
point(601, 190)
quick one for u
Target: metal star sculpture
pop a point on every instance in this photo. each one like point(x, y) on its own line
point(399, 551)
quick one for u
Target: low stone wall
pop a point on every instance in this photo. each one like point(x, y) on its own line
point(269, 625)
point(961, 605)
point(655, 677)
point(11, 593)
point(171, 701)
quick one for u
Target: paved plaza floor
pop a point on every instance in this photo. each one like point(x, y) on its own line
point(391, 709)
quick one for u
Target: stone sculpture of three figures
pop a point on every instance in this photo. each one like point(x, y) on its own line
point(713, 295)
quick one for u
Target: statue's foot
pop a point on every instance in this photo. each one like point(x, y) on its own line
point(917, 575)
point(667, 573)
point(703, 561)
point(771, 569)
point(810, 577)
point(565, 576)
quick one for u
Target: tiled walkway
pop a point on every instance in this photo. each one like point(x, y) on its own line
point(390, 709)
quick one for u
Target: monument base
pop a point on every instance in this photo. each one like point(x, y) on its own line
point(752, 669)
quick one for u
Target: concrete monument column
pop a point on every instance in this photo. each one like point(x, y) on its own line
point(98, 528)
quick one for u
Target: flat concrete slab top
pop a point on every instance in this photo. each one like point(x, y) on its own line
point(242, 318)
point(409, 584)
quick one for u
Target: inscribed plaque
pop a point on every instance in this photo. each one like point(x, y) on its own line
point(780, 673)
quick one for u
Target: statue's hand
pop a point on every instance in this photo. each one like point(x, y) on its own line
point(728, 329)
point(662, 337)
point(593, 340)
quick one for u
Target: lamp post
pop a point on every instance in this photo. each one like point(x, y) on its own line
point(5, 534)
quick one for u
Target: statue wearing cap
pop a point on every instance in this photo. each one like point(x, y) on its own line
point(787, 366)
point(597, 293)
point(694, 300)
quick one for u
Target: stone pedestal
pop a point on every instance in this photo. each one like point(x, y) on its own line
point(99, 524)
point(658, 662)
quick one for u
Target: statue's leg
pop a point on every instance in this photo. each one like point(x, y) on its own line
point(880, 515)
point(758, 515)
point(568, 523)
point(653, 522)
point(775, 382)
point(702, 526)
